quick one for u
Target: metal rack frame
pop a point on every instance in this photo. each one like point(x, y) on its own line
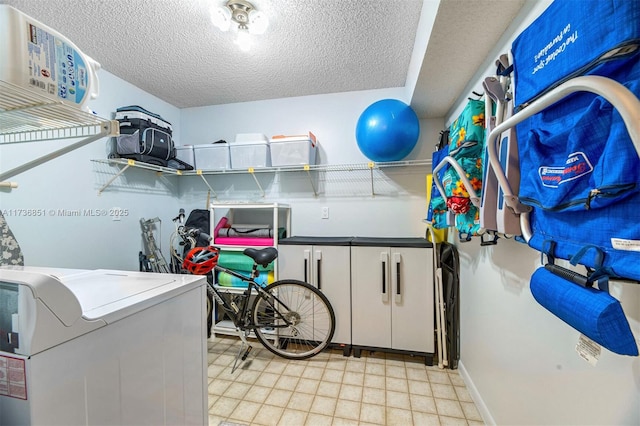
point(307, 168)
point(27, 116)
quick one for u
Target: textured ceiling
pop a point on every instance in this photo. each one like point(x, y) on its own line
point(170, 49)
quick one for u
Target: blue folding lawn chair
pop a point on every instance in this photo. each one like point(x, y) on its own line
point(577, 120)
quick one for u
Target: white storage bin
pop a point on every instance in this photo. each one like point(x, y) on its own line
point(251, 138)
point(250, 150)
point(185, 153)
point(293, 150)
point(214, 156)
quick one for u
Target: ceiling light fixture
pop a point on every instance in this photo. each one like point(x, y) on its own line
point(244, 15)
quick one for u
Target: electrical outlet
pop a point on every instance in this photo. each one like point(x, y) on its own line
point(325, 213)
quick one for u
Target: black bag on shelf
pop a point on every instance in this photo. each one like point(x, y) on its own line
point(144, 136)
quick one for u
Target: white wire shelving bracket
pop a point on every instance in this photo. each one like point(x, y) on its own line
point(27, 116)
point(307, 169)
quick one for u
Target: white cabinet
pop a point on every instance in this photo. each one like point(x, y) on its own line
point(324, 262)
point(392, 295)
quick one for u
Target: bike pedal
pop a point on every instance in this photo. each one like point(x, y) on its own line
point(246, 353)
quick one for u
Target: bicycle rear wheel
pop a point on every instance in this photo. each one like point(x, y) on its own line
point(311, 317)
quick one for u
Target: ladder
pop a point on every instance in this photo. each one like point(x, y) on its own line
point(154, 255)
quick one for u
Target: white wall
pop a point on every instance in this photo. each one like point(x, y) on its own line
point(518, 359)
point(397, 206)
point(71, 182)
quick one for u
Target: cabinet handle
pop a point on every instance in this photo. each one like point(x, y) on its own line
point(397, 259)
point(307, 265)
point(318, 273)
point(384, 259)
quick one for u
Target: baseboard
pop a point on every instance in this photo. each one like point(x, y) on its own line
point(475, 395)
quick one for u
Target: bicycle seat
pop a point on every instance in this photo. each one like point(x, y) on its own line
point(262, 257)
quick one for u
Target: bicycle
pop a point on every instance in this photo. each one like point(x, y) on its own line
point(290, 318)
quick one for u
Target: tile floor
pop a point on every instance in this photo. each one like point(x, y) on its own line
point(330, 389)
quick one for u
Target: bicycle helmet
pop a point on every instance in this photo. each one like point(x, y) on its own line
point(201, 260)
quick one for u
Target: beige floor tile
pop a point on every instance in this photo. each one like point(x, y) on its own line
point(237, 390)
point(218, 386)
point(374, 396)
point(425, 419)
point(215, 420)
point(371, 381)
point(337, 364)
point(463, 394)
point(452, 421)
point(398, 385)
point(287, 382)
point(330, 389)
point(471, 411)
point(294, 369)
point(423, 404)
point(353, 378)
point(333, 376)
point(439, 377)
point(276, 366)
point(245, 412)
point(224, 406)
point(373, 413)
point(456, 378)
point(356, 365)
point(267, 379)
point(351, 393)
point(258, 394)
point(246, 376)
point(420, 388)
point(399, 372)
point(293, 418)
point(279, 397)
point(338, 421)
point(300, 401)
point(214, 369)
point(212, 400)
point(417, 374)
point(374, 368)
point(268, 415)
point(347, 410)
point(398, 400)
point(443, 391)
point(324, 405)
point(307, 386)
point(312, 373)
point(398, 417)
point(449, 408)
point(314, 419)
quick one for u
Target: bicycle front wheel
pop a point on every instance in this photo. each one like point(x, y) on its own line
point(293, 319)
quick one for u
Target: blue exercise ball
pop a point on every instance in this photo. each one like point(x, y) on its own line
point(387, 130)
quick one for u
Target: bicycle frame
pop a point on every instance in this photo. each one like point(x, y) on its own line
point(237, 313)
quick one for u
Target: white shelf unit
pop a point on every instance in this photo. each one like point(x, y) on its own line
point(275, 209)
point(26, 116)
point(273, 212)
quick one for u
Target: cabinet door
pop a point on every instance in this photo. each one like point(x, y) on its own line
point(294, 262)
point(326, 268)
point(331, 273)
point(412, 299)
point(370, 301)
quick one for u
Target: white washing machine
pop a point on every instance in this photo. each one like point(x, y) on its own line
point(102, 347)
